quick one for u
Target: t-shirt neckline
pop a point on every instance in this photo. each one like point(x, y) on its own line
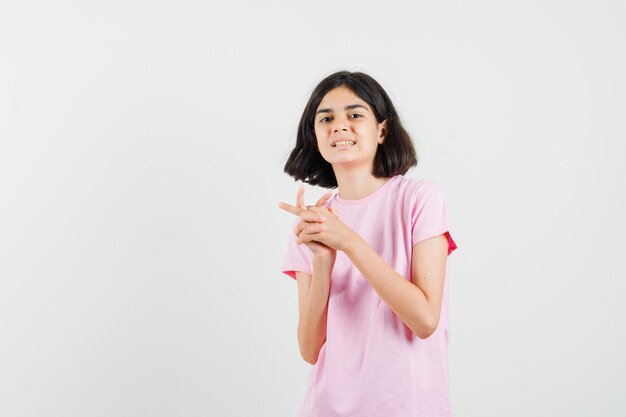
point(365, 199)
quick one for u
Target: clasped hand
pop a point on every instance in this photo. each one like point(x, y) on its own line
point(319, 224)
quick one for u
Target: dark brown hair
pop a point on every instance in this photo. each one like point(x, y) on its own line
point(395, 156)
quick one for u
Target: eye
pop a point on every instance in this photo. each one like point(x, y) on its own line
point(358, 116)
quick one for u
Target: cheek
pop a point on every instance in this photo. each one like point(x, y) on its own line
point(319, 129)
point(367, 133)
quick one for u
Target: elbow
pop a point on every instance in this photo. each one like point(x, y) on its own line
point(308, 352)
point(309, 347)
point(309, 357)
point(310, 360)
point(424, 331)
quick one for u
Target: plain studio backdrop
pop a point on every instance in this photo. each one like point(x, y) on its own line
point(142, 148)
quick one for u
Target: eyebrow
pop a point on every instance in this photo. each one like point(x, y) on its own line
point(351, 106)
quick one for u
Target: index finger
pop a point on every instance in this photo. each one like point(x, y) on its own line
point(324, 199)
point(300, 197)
point(303, 213)
point(291, 209)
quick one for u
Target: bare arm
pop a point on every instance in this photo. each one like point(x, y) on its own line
point(416, 303)
point(313, 293)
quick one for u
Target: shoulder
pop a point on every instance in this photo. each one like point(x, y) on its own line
point(420, 187)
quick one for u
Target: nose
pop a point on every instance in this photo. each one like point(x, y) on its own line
point(340, 125)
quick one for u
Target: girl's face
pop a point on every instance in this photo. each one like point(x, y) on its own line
point(344, 116)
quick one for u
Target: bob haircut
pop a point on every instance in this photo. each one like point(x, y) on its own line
point(395, 156)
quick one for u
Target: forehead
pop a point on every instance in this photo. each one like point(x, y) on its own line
point(340, 96)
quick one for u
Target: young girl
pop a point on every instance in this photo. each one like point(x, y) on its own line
point(370, 261)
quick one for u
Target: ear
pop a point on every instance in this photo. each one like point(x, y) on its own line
point(383, 129)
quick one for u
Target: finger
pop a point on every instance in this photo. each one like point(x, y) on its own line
point(324, 199)
point(310, 216)
point(306, 237)
point(290, 208)
point(299, 227)
point(322, 210)
point(317, 210)
point(300, 196)
point(302, 238)
point(302, 225)
point(314, 228)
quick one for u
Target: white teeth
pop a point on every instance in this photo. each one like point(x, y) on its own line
point(344, 142)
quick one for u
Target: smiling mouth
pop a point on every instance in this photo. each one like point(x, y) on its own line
point(342, 143)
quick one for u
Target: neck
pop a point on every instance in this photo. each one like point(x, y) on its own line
point(354, 185)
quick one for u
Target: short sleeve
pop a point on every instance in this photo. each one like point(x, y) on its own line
point(298, 257)
point(429, 217)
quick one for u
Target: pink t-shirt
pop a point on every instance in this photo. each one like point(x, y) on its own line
point(371, 364)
